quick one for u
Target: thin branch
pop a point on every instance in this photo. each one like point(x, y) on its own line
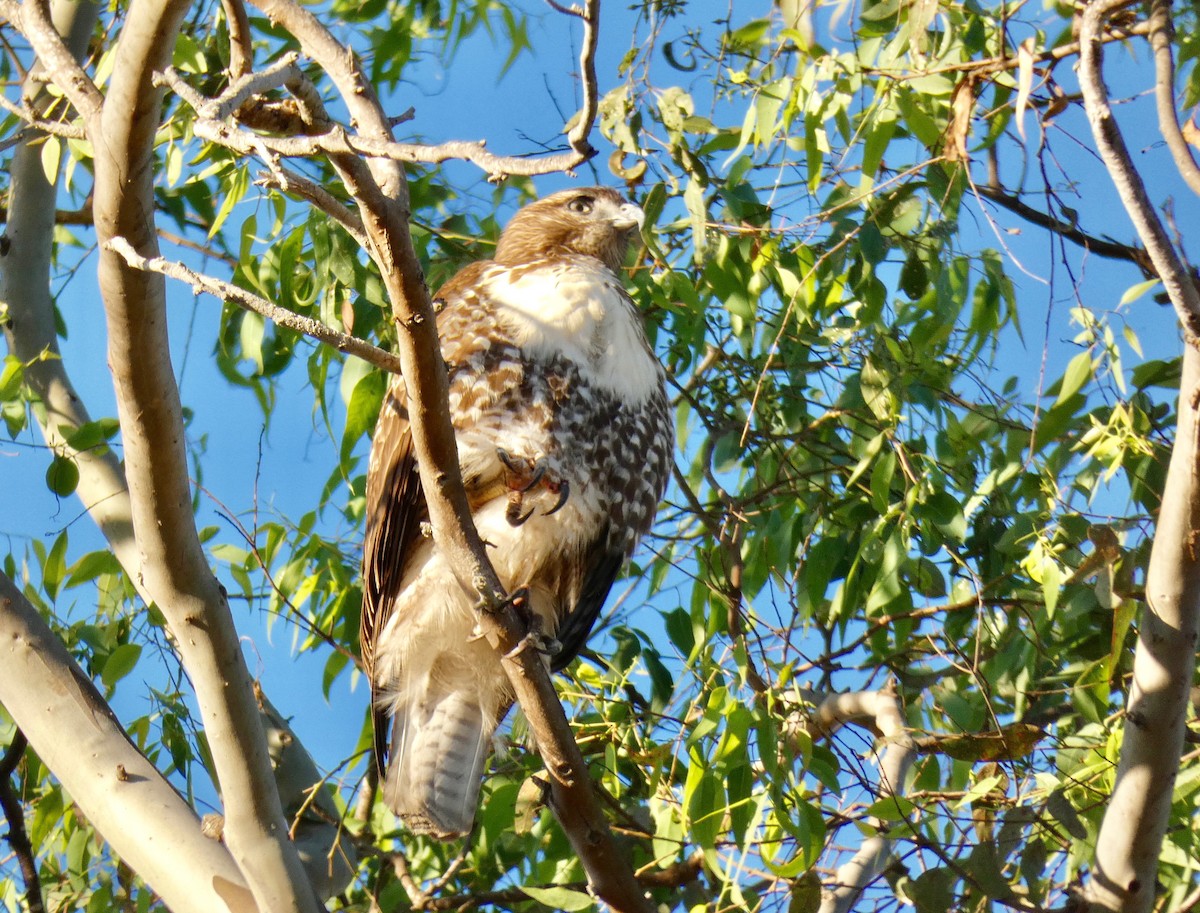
point(578, 136)
point(1114, 250)
point(214, 125)
point(58, 64)
point(14, 814)
point(1162, 36)
point(287, 181)
point(241, 48)
point(227, 291)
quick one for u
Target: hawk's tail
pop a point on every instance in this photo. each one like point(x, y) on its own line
point(439, 744)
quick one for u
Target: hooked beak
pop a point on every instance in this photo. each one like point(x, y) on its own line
point(628, 216)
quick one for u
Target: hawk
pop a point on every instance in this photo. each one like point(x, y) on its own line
point(565, 440)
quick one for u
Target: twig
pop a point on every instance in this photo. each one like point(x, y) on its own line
point(288, 181)
point(1070, 231)
point(18, 837)
point(1162, 35)
point(226, 291)
point(37, 125)
point(578, 136)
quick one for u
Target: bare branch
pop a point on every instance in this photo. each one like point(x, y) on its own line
point(287, 181)
point(227, 291)
point(55, 60)
point(880, 711)
point(241, 48)
point(147, 823)
point(578, 136)
point(1070, 231)
point(14, 815)
point(1113, 151)
point(1162, 36)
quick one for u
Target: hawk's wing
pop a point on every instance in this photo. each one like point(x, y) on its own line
point(396, 506)
point(600, 563)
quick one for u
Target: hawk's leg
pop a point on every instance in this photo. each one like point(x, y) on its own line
point(526, 476)
point(535, 638)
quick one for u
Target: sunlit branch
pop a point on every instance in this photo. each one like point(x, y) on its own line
point(227, 291)
point(1162, 36)
point(1111, 145)
point(879, 711)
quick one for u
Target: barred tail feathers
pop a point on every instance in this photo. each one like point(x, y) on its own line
point(440, 741)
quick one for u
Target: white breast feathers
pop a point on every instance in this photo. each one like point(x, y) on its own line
point(577, 309)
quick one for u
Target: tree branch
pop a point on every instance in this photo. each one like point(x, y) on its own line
point(147, 823)
point(227, 291)
point(881, 712)
point(381, 193)
point(18, 837)
point(1162, 36)
point(1113, 151)
point(1102, 247)
point(174, 568)
point(1130, 839)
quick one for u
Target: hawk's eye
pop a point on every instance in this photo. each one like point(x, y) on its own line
point(582, 205)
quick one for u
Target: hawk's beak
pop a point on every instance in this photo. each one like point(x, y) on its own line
point(629, 215)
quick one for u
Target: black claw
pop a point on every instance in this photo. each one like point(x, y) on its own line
point(564, 491)
point(506, 458)
point(514, 515)
point(539, 471)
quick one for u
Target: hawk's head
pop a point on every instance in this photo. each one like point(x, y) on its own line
point(593, 221)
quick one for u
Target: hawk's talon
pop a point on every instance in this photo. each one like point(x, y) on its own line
point(535, 469)
point(564, 492)
point(513, 515)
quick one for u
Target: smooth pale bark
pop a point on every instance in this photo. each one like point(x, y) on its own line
point(30, 331)
point(174, 569)
point(880, 710)
point(1131, 835)
point(145, 821)
point(1128, 846)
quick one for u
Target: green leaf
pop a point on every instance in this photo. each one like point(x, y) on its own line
point(1078, 373)
point(120, 663)
point(54, 567)
point(12, 375)
point(560, 898)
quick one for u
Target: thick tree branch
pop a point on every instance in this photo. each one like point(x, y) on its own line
point(1131, 834)
point(1130, 840)
point(1113, 151)
point(30, 330)
point(880, 712)
point(174, 568)
point(380, 190)
point(147, 823)
point(1162, 36)
point(227, 291)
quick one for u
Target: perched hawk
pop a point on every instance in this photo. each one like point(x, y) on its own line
point(565, 440)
